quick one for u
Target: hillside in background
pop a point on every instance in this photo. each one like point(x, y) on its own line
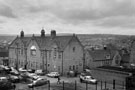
point(89, 40)
point(6, 39)
point(98, 40)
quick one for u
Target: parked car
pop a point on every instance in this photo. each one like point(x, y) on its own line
point(40, 72)
point(14, 79)
point(87, 79)
point(31, 70)
point(38, 82)
point(53, 74)
point(25, 78)
point(33, 76)
point(14, 71)
point(3, 79)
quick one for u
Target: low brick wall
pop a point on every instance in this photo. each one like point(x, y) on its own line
point(110, 75)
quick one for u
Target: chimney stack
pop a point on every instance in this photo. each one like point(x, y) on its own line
point(53, 33)
point(42, 33)
point(22, 34)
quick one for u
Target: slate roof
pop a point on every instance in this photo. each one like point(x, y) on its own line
point(125, 58)
point(25, 40)
point(100, 54)
point(47, 41)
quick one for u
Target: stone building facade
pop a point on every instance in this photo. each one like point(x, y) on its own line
point(102, 57)
point(50, 53)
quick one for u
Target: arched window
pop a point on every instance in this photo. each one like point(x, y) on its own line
point(33, 50)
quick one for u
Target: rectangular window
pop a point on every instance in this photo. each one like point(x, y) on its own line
point(76, 67)
point(73, 49)
point(73, 67)
point(55, 52)
point(21, 51)
point(49, 55)
point(70, 68)
point(59, 55)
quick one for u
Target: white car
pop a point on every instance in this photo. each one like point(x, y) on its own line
point(88, 79)
point(53, 74)
point(3, 79)
point(33, 76)
point(39, 72)
point(38, 82)
point(14, 71)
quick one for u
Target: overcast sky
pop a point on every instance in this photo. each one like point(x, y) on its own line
point(68, 16)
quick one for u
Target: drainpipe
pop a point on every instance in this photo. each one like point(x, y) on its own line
point(62, 63)
point(46, 61)
point(25, 59)
point(17, 56)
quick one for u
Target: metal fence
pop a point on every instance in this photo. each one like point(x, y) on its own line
point(101, 85)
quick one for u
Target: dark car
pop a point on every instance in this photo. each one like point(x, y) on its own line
point(14, 79)
point(38, 82)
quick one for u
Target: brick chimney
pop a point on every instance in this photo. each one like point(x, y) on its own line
point(53, 33)
point(22, 34)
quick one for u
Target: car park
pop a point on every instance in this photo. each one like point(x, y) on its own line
point(53, 74)
point(38, 82)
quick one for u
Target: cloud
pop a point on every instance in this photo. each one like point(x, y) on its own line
point(121, 21)
point(83, 14)
point(6, 11)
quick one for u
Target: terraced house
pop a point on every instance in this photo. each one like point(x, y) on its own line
point(47, 52)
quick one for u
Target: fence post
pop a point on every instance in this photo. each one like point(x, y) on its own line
point(33, 88)
point(96, 85)
point(48, 85)
point(63, 85)
point(86, 86)
point(113, 84)
point(101, 85)
point(75, 85)
point(105, 84)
